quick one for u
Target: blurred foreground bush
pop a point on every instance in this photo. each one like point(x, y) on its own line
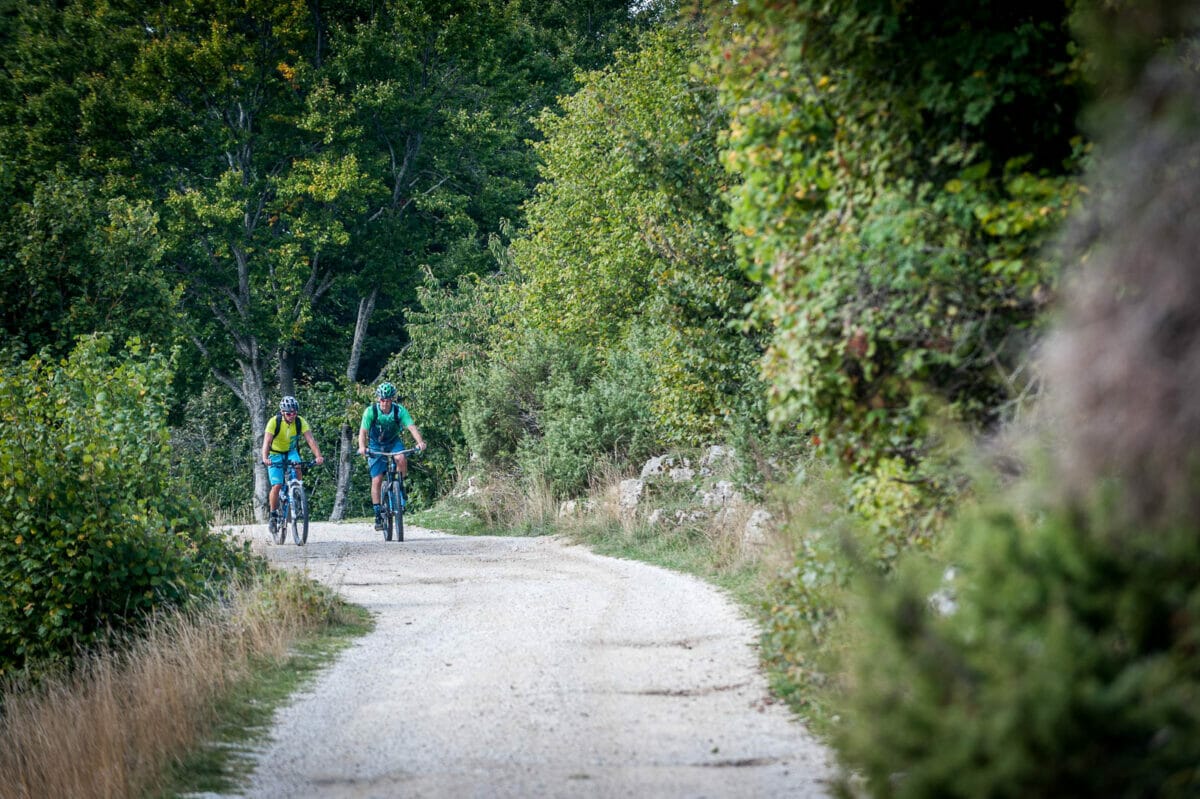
point(1058, 658)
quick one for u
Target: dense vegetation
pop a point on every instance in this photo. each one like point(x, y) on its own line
point(96, 533)
point(579, 234)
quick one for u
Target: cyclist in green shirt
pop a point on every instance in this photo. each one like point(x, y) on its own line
point(382, 423)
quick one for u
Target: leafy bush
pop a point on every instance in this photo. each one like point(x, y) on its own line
point(451, 335)
point(1059, 655)
point(93, 532)
point(806, 598)
point(213, 451)
point(896, 236)
point(503, 402)
point(1068, 664)
point(588, 416)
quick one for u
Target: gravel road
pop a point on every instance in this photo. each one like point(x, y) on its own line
point(528, 667)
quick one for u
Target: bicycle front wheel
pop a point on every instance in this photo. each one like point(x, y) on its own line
point(279, 531)
point(389, 511)
point(299, 515)
point(400, 501)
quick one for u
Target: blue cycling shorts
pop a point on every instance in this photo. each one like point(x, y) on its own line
point(378, 463)
point(275, 470)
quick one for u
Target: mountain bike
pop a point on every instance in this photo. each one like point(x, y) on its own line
point(392, 498)
point(293, 505)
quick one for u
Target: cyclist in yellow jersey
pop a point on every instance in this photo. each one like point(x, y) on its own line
point(281, 439)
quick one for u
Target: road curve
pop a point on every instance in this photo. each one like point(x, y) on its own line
point(528, 667)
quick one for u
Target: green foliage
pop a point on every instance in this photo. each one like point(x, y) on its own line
point(589, 417)
point(93, 533)
point(626, 247)
point(450, 336)
point(76, 261)
point(539, 401)
point(1068, 664)
point(1050, 648)
point(898, 239)
point(551, 409)
point(526, 394)
point(212, 450)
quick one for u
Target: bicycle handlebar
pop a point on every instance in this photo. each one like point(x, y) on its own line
point(410, 451)
point(302, 464)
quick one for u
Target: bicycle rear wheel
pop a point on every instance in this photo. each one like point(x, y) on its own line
point(299, 506)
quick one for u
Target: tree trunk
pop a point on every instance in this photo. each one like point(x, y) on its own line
point(287, 374)
point(348, 445)
point(254, 397)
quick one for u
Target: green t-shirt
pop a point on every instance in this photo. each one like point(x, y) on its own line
point(387, 426)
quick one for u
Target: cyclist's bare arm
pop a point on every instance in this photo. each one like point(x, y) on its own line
point(312, 444)
point(416, 434)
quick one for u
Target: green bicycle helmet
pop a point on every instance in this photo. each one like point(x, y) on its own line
point(385, 391)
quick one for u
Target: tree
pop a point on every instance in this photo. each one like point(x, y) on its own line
point(76, 254)
point(436, 104)
point(291, 167)
point(627, 232)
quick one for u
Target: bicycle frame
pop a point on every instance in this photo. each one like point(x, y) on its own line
point(293, 503)
point(391, 493)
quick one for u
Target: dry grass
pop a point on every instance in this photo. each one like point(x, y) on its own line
point(115, 724)
point(503, 501)
point(231, 515)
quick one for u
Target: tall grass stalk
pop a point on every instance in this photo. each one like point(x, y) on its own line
point(114, 725)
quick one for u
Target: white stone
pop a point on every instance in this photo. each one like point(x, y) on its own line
point(722, 494)
point(682, 474)
point(657, 465)
point(757, 527)
point(630, 493)
point(943, 600)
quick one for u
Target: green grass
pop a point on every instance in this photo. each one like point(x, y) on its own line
point(246, 713)
point(448, 517)
point(683, 550)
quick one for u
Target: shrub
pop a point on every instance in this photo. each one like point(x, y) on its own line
point(1068, 664)
point(451, 335)
point(806, 597)
point(898, 239)
point(93, 533)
